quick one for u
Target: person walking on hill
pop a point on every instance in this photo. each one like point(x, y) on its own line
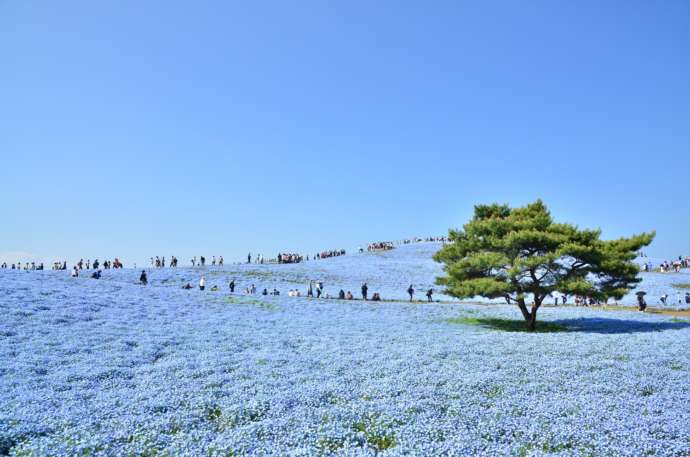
point(410, 292)
point(429, 293)
point(143, 279)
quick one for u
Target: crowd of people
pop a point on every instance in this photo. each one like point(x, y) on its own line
point(33, 266)
point(582, 300)
point(159, 262)
point(106, 265)
point(315, 289)
point(289, 258)
point(666, 266)
point(380, 246)
point(329, 254)
point(201, 262)
point(62, 265)
point(429, 239)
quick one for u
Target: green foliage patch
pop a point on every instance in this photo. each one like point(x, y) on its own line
point(507, 325)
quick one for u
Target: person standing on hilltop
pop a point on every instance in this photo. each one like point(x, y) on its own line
point(410, 292)
point(143, 279)
point(365, 290)
point(202, 283)
point(249, 258)
point(429, 294)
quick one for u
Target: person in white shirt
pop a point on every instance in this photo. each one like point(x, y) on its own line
point(202, 283)
point(74, 273)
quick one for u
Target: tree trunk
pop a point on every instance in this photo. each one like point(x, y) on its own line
point(523, 308)
point(532, 321)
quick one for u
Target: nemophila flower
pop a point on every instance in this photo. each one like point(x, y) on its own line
point(113, 368)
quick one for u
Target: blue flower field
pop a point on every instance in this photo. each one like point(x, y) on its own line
point(109, 367)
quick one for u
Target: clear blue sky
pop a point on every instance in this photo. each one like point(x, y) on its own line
point(133, 129)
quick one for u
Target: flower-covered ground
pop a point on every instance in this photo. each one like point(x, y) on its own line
point(108, 367)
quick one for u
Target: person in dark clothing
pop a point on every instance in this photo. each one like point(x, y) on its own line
point(341, 294)
point(642, 304)
point(376, 297)
point(202, 259)
point(187, 286)
point(143, 279)
point(96, 274)
point(365, 290)
point(687, 298)
point(264, 292)
point(410, 292)
point(249, 258)
point(232, 286)
point(429, 293)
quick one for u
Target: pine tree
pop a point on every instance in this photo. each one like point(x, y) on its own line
point(522, 255)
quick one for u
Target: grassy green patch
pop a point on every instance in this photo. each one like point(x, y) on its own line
point(674, 365)
point(238, 300)
point(328, 445)
point(646, 391)
point(507, 325)
point(681, 285)
point(377, 433)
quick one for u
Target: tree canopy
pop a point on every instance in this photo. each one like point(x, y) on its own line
point(522, 255)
